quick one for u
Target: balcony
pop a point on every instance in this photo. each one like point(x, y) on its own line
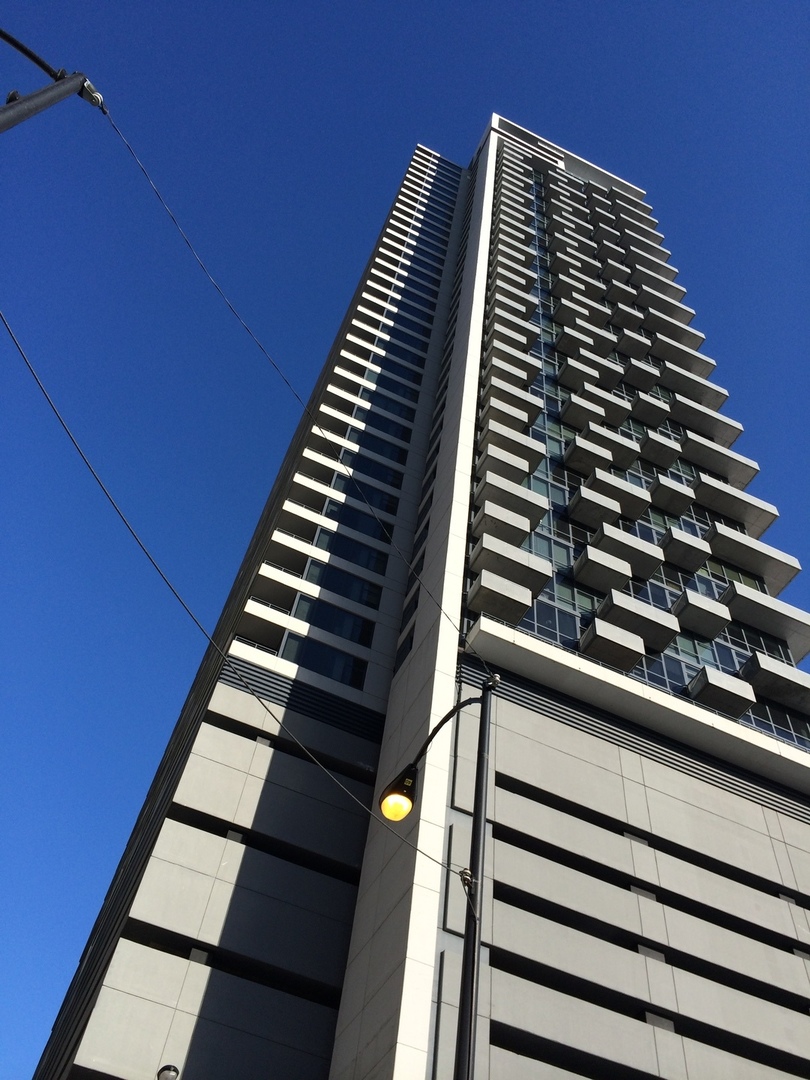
point(724, 693)
point(667, 305)
point(564, 264)
point(655, 627)
point(615, 270)
point(692, 386)
point(503, 263)
point(756, 514)
point(667, 349)
point(632, 343)
point(512, 395)
point(516, 358)
point(615, 408)
point(670, 495)
point(578, 412)
point(499, 320)
point(518, 500)
point(569, 341)
point(602, 341)
point(508, 373)
point(737, 470)
point(499, 597)
point(598, 313)
point(771, 616)
point(684, 550)
point(617, 292)
point(519, 253)
point(627, 315)
point(609, 373)
point(512, 563)
point(574, 374)
point(609, 252)
point(639, 233)
point(496, 459)
point(522, 446)
point(650, 410)
point(521, 301)
point(606, 234)
point(631, 206)
point(494, 520)
point(641, 374)
point(659, 449)
point(633, 500)
point(591, 286)
point(644, 558)
point(568, 313)
point(622, 450)
point(591, 508)
point(507, 415)
point(636, 256)
point(720, 429)
point(655, 322)
point(700, 614)
point(611, 645)
point(775, 567)
point(663, 283)
point(566, 287)
point(778, 681)
point(600, 571)
point(583, 456)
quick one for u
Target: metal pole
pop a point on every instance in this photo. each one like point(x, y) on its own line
point(26, 107)
point(471, 957)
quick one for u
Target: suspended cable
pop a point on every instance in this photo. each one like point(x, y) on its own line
point(276, 367)
point(165, 579)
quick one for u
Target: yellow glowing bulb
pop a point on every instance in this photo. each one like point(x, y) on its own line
point(396, 806)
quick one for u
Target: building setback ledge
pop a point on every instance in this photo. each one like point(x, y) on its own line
point(671, 715)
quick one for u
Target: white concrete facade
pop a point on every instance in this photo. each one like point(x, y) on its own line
point(512, 461)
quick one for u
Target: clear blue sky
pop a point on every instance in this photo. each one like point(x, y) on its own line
point(279, 133)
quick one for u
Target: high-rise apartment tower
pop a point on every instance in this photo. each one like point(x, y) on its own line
point(515, 460)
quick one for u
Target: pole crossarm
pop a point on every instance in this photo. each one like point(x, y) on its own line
point(19, 108)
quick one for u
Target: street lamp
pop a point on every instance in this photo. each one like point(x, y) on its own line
point(396, 802)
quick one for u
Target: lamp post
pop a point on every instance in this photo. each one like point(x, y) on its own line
point(396, 802)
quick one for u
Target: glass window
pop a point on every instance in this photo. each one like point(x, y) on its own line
point(325, 660)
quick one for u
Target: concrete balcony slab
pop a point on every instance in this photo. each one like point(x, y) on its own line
point(578, 412)
point(657, 628)
point(670, 495)
point(600, 571)
point(583, 455)
point(738, 470)
point(519, 500)
point(514, 442)
point(510, 562)
point(499, 597)
point(685, 550)
point(574, 374)
point(644, 557)
point(632, 499)
point(771, 616)
point(756, 514)
point(623, 451)
point(650, 410)
point(778, 681)
point(775, 567)
point(591, 508)
point(717, 690)
point(497, 521)
point(611, 645)
point(659, 449)
point(700, 614)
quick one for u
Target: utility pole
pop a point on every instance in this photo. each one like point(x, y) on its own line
point(19, 108)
